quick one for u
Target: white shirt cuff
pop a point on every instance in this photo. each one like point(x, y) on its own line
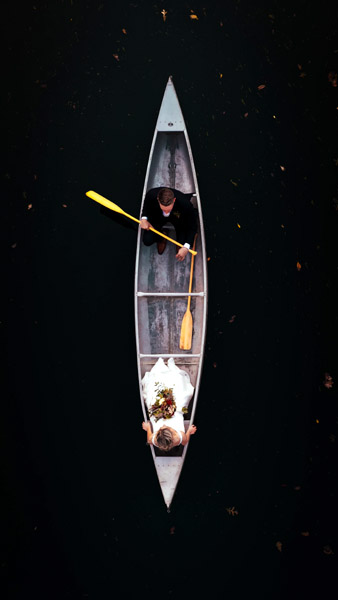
point(186, 245)
point(145, 218)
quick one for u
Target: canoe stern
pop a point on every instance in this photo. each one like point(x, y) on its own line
point(168, 470)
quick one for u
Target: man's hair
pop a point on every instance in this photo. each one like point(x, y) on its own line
point(166, 196)
point(164, 439)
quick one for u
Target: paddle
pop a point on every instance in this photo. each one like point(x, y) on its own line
point(186, 327)
point(108, 204)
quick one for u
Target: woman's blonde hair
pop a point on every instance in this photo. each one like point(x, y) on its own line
point(164, 439)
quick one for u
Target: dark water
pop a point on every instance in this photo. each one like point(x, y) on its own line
point(82, 511)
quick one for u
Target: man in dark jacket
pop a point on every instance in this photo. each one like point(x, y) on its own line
point(167, 204)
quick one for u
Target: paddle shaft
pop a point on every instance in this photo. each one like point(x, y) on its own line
point(191, 274)
point(187, 325)
point(108, 204)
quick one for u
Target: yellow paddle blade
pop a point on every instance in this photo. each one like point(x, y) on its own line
point(107, 203)
point(186, 331)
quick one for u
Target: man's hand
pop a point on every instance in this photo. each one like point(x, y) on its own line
point(182, 253)
point(144, 224)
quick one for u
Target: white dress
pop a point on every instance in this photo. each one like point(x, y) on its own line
point(172, 377)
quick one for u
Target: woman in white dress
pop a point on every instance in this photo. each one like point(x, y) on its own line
point(167, 433)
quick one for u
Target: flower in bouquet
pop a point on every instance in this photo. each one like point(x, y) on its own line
point(164, 406)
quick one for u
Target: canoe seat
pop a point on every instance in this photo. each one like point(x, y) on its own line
point(177, 451)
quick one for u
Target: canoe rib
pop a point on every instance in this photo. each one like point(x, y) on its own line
point(170, 294)
point(161, 282)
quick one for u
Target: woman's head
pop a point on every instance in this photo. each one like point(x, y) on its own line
point(164, 439)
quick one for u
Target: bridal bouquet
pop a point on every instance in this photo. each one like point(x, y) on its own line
point(164, 406)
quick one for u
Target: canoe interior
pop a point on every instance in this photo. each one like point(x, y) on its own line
point(170, 164)
point(160, 317)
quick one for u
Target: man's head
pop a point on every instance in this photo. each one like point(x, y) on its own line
point(166, 199)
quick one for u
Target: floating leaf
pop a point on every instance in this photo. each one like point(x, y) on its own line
point(279, 546)
point(116, 56)
point(232, 511)
point(238, 225)
point(282, 168)
point(29, 206)
point(232, 319)
point(194, 17)
point(261, 87)
point(328, 381)
point(299, 266)
point(333, 79)
point(233, 182)
point(124, 31)
point(245, 115)
point(64, 205)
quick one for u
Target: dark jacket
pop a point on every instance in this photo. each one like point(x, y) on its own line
point(182, 216)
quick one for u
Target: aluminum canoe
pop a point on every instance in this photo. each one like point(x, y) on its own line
point(162, 282)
